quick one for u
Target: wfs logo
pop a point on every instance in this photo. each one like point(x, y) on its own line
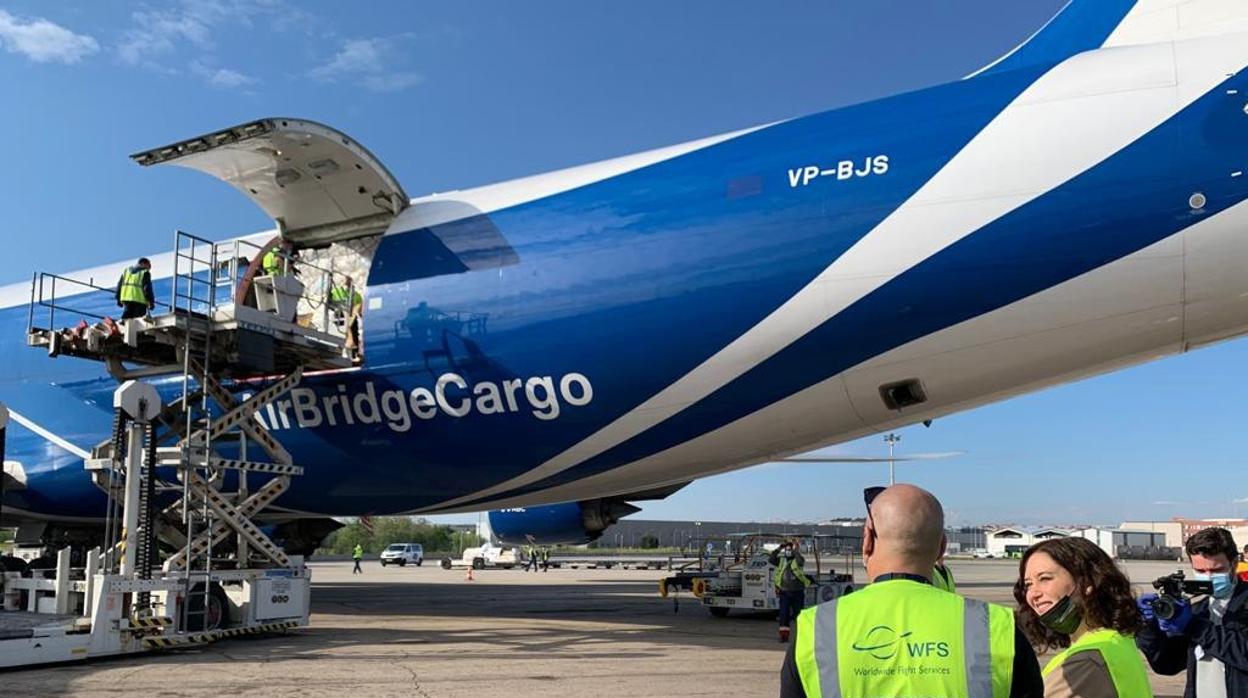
point(883, 642)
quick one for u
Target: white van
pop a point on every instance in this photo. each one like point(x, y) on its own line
point(402, 553)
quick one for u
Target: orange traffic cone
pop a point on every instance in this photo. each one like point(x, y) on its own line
point(469, 577)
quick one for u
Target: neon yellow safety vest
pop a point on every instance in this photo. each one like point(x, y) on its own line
point(358, 552)
point(132, 286)
point(272, 263)
point(339, 294)
point(943, 580)
point(798, 572)
point(905, 639)
point(1126, 668)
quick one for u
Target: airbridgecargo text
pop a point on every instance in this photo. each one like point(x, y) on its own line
point(452, 396)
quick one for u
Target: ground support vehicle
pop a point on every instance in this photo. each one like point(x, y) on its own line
point(183, 560)
point(485, 556)
point(739, 575)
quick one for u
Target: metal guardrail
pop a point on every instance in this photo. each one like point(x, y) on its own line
point(44, 295)
point(206, 274)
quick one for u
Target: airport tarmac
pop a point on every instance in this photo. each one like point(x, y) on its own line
point(427, 632)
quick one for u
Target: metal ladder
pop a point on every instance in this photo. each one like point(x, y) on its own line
point(192, 295)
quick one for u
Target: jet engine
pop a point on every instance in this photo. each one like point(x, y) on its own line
point(571, 523)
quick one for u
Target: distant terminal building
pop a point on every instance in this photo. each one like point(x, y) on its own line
point(838, 534)
point(966, 539)
point(1013, 541)
point(1131, 545)
point(1131, 541)
point(843, 535)
point(1179, 528)
point(1237, 527)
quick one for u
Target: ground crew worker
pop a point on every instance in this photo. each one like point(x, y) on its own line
point(352, 303)
point(278, 260)
point(134, 290)
point(357, 555)
point(900, 636)
point(790, 581)
point(530, 565)
point(545, 559)
point(942, 577)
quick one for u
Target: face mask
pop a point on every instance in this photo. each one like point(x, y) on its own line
point(1223, 583)
point(1064, 617)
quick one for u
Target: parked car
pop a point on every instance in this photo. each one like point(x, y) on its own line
point(402, 553)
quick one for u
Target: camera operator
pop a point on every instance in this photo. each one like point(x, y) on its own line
point(1210, 638)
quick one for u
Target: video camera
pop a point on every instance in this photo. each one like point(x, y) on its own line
point(1173, 587)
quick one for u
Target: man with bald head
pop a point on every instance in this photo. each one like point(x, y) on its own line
point(901, 637)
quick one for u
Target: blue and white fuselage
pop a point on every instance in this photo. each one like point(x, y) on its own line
point(646, 321)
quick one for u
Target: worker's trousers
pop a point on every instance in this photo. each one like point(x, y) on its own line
point(791, 604)
point(130, 310)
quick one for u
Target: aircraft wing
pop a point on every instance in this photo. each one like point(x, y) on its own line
point(815, 458)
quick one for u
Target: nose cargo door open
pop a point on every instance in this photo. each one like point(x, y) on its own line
point(318, 184)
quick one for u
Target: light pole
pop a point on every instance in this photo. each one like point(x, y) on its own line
point(891, 439)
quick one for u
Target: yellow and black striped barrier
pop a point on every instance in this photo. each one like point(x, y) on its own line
point(204, 637)
point(150, 623)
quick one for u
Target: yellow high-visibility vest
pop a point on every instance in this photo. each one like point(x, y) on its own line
point(798, 572)
point(905, 639)
point(339, 294)
point(272, 263)
point(1123, 660)
point(132, 286)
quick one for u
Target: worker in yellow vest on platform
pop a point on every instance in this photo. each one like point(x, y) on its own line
point(1071, 594)
point(279, 260)
point(349, 301)
point(134, 290)
point(900, 636)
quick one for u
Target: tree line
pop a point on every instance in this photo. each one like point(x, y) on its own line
point(434, 538)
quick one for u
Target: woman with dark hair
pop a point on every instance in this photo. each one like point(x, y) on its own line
point(1071, 595)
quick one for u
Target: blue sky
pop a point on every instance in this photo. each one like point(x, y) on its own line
point(452, 95)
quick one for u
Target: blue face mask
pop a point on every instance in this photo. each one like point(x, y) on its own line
point(1223, 583)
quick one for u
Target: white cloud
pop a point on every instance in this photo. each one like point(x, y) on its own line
point(159, 32)
point(370, 62)
point(43, 41)
point(222, 77)
point(193, 24)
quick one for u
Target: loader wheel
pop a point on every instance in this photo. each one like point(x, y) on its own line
point(217, 616)
point(478, 563)
point(718, 611)
point(446, 563)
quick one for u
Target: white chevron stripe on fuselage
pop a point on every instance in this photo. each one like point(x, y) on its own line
point(1073, 117)
point(1127, 312)
point(1153, 21)
point(49, 435)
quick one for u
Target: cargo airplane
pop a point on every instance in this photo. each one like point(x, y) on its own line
point(611, 332)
